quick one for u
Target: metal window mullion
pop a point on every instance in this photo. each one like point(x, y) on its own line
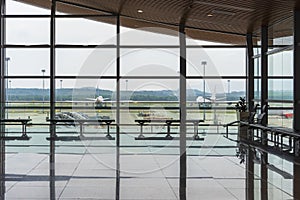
point(117, 197)
point(249, 174)
point(264, 69)
point(250, 72)
point(52, 100)
point(2, 99)
point(182, 80)
point(264, 97)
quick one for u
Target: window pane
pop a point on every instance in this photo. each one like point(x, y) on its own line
point(28, 31)
point(281, 64)
point(28, 61)
point(280, 114)
point(14, 7)
point(150, 62)
point(148, 36)
point(257, 66)
point(84, 62)
point(280, 89)
point(218, 62)
point(85, 31)
point(257, 90)
point(217, 104)
point(27, 97)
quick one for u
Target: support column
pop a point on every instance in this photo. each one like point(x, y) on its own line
point(52, 100)
point(264, 69)
point(264, 176)
point(250, 72)
point(182, 183)
point(296, 181)
point(249, 175)
point(264, 98)
point(296, 105)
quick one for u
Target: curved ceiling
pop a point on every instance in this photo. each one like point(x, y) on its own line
point(225, 21)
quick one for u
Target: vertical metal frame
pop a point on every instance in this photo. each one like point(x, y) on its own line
point(182, 81)
point(264, 98)
point(264, 69)
point(250, 72)
point(52, 100)
point(249, 175)
point(296, 181)
point(118, 111)
point(249, 191)
point(2, 98)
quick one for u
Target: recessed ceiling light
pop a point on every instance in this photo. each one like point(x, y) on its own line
point(140, 11)
point(210, 15)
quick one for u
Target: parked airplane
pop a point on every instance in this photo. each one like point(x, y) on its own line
point(98, 99)
point(213, 100)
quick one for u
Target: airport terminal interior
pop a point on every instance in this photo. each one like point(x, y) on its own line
point(157, 99)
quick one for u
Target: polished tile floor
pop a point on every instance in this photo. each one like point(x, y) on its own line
point(93, 176)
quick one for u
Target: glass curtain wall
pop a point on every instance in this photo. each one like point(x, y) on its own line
point(85, 86)
point(216, 75)
point(27, 70)
point(280, 94)
point(280, 113)
point(84, 66)
point(88, 81)
point(280, 73)
point(149, 90)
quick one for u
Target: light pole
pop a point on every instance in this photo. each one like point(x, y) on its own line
point(126, 86)
point(228, 81)
point(204, 63)
point(61, 82)
point(61, 92)
point(7, 59)
point(9, 93)
point(43, 71)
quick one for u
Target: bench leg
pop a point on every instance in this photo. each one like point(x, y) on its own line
point(168, 131)
point(196, 133)
point(141, 132)
point(108, 135)
point(24, 130)
point(81, 129)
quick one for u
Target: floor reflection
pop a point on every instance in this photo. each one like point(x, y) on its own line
point(251, 174)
